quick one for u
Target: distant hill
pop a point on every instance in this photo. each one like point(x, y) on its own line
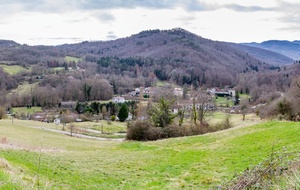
point(8, 43)
point(284, 47)
point(176, 45)
point(265, 55)
point(173, 55)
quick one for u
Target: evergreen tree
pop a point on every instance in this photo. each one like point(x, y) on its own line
point(161, 114)
point(237, 99)
point(123, 113)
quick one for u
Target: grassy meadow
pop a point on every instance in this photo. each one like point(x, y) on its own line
point(39, 159)
point(25, 88)
point(72, 59)
point(224, 102)
point(13, 69)
point(32, 110)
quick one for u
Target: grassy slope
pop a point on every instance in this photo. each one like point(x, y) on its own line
point(223, 102)
point(26, 110)
point(25, 88)
point(113, 127)
point(71, 59)
point(13, 69)
point(191, 162)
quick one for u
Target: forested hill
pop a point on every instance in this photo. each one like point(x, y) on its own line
point(8, 43)
point(175, 55)
point(176, 46)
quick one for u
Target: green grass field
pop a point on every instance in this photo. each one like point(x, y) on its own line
point(71, 59)
point(244, 96)
point(224, 102)
point(112, 127)
point(26, 110)
point(39, 159)
point(13, 69)
point(25, 88)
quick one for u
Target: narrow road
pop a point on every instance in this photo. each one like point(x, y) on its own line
point(78, 135)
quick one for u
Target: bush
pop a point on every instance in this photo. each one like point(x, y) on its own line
point(154, 133)
point(173, 131)
point(284, 108)
point(113, 117)
point(144, 131)
point(272, 173)
point(138, 130)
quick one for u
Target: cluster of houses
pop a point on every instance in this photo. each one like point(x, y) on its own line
point(222, 92)
point(186, 104)
point(144, 91)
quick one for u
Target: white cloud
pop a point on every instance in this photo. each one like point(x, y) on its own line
point(37, 21)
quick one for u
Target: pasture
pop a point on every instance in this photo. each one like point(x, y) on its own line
point(13, 69)
point(34, 158)
point(72, 59)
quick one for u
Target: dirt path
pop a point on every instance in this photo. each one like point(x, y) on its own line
point(78, 135)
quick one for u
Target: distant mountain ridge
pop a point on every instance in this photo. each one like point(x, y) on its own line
point(288, 48)
point(265, 55)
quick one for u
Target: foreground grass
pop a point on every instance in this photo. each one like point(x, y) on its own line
point(198, 162)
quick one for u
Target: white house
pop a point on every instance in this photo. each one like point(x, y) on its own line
point(118, 99)
point(178, 91)
point(57, 121)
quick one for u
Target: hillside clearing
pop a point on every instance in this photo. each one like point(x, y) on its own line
point(13, 69)
point(197, 162)
point(25, 88)
point(72, 59)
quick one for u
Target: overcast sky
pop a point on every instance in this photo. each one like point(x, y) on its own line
point(52, 22)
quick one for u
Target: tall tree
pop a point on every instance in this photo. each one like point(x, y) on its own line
point(161, 114)
point(123, 113)
point(87, 91)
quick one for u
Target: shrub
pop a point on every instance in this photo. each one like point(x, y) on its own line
point(154, 133)
point(284, 108)
point(113, 117)
point(144, 131)
point(160, 114)
point(138, 130)
point(268, 174)
point(173, 131)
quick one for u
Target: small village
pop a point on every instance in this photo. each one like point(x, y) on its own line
point(214, 99)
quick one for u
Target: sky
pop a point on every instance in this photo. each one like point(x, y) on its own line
point(54, 22)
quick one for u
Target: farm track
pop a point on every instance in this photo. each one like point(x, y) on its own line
point(79, 135)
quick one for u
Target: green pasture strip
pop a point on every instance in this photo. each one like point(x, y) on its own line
point(31, 110)
point(25, 88)
point(72, 59)
point(13, 69)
